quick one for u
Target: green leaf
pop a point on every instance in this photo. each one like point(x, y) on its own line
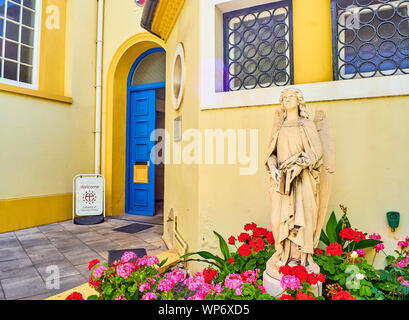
point(324, 239)
point(205, 255)
point(93, 297)
point(368, 243)
point(331, 228)
point(162, 262)
point(206, 261)
point(223, 246)
point(389, 259)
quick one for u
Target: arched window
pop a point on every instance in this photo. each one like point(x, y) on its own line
point(150, 69)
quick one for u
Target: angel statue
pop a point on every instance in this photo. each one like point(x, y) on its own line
point(301, 163)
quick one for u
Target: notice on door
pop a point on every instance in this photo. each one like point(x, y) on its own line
point(89, 196)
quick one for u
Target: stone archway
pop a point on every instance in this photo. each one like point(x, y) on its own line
point(114, 120)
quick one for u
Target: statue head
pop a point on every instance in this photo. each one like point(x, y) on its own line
point(291, 98)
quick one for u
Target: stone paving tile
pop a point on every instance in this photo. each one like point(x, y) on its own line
point(38, 297)
point(81, 257)
point(64, 245)
point(103, 254)
point(1, 294)
point(9, 242)
point(90, 237)
point(43, 254)
point(83, 270)
point(7, 235)
point(65, 269)
point(68, 283)
point(103, 245)
point(148, 236)
point(58, 235)
point(34, 240)
point(16, 268)
point(51, 227)
point(21, 287)
point(7, 254)
point(76, 228)
point(23, 232)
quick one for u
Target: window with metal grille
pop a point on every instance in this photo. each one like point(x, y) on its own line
point(258, 50)
point(19, 24)
point(371, 38)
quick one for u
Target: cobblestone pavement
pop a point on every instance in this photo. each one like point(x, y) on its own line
point(26, 255)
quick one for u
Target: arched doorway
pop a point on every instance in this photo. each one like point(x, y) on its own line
point(144, 180)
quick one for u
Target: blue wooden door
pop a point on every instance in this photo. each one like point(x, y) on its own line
point(140, 197)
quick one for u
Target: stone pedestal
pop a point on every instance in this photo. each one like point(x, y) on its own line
point(272, 285)
point(274, 289)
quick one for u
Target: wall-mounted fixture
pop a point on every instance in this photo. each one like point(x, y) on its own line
point(393, 219)
point(178, 76)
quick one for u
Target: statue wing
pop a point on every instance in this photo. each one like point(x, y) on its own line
point(327, 139)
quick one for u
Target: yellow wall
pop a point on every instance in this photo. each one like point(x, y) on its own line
point(312, 41)
point(46, 142)
point(181, 180)
point(371, 137)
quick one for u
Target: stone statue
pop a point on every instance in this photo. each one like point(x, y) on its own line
point(301, 163)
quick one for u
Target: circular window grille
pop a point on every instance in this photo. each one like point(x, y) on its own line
point(178, 76)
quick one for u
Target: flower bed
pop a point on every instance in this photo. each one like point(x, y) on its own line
point(237, 275)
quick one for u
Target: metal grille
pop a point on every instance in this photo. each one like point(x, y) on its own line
point(258, 50)
point(371, 38)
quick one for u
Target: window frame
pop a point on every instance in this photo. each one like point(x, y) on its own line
point(340, 54)
point(36, 49)
point(211, 96)
point(289, 53)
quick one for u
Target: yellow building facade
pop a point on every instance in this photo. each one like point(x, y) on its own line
point(48, 133)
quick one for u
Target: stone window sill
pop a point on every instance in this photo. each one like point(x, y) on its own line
point(35, 93)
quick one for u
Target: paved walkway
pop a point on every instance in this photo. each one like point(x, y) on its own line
point(26, 254)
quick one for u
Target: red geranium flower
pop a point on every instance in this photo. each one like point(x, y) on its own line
point(303, 296)
point(243, 237)
point(92, 263)
point(286, 270)
point(209, 274)
point(286, 297)
point(75, 296)
point(321, 277)
point(343, 295)
point(232, 240)
point(334, 249)
point(270, 237)
point(245, 250)
point(352, 234)
point(318, 251)
point(250, 226)
point(257, 232)
point(348, 234)
point(301, 273)
point(93, 283)
point(231, 260)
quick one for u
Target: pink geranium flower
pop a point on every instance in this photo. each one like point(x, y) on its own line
point(128, 256)
point(290, 282)
point(233, 281)
point(147, 261)
point(149, 296)
point(98, 271)
point(124, 270)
